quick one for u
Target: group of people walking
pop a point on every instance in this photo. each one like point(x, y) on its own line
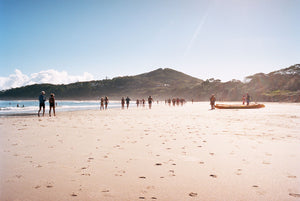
point(138, 101)
point(42, 100)
point(175, 101)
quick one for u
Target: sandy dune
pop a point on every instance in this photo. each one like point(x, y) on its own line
point(166, 153)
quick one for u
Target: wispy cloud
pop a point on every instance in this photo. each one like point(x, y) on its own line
point(19, 79)
point(196, 32)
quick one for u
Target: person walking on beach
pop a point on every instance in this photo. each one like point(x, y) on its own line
point(101, 103)
point(150, 99)
point(106, 102)
point(52, 104)
point(127, 101)
point(123, 102)
point(137, 102)
point(42, 100)
point(248, 99)
point(212, 101)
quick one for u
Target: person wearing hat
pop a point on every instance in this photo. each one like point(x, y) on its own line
point(42, 100)
point(52, 104)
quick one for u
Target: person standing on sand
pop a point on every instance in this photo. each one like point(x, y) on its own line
point(127, 101)
point(137, 102)
point(244, 98)
point(42, 100)
point(106, 102)
point(122, 102)
point(52, 104)
point(248, 98)
point(150, 99)
point(212, 101)
point(101, 103)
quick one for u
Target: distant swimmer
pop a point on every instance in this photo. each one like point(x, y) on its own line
point(127, 101)
point(122, 102)
point(52, 104)
point(101, 103)
point(106, 102)
point(150, 100)
point(42, 100)
point(212, 101)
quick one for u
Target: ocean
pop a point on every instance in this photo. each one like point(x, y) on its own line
point(31, 107)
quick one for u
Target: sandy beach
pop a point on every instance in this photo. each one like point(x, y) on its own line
point(166, 153)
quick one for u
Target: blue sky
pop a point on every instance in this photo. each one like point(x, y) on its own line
point(224, 39)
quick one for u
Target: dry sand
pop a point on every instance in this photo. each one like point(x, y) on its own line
point(166, 153)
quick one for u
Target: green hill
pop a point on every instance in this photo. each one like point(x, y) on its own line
point(160, 83)
point(281, 85)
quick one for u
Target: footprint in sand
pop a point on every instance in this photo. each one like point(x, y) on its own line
point(90, 159)
point(193, 194)
point(142, 177)
point(158, 164)
point(292, 177)
point(172, 173)
point(213, 176)
point(18, 176)
point(49, 185)
point(73, 195)
point(297, 195)
point(238, 172)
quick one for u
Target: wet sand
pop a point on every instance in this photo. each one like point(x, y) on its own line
point(166, 153)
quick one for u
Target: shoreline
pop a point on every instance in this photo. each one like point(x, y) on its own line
point(132, 105)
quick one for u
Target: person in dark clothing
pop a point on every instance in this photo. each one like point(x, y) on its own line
point(52, 104)
point(248, 99)
point(106, 102)
point(42, 100)
point(150, 99)
point(122, 102)
point(127, 101)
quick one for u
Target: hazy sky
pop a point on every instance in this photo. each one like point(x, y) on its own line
point(224, 39)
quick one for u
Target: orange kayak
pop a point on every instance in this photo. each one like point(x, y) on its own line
point(252, 106)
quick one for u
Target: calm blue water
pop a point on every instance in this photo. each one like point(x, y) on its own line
point(20, 107)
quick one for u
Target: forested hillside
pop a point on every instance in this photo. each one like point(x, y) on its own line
point(281, 85)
